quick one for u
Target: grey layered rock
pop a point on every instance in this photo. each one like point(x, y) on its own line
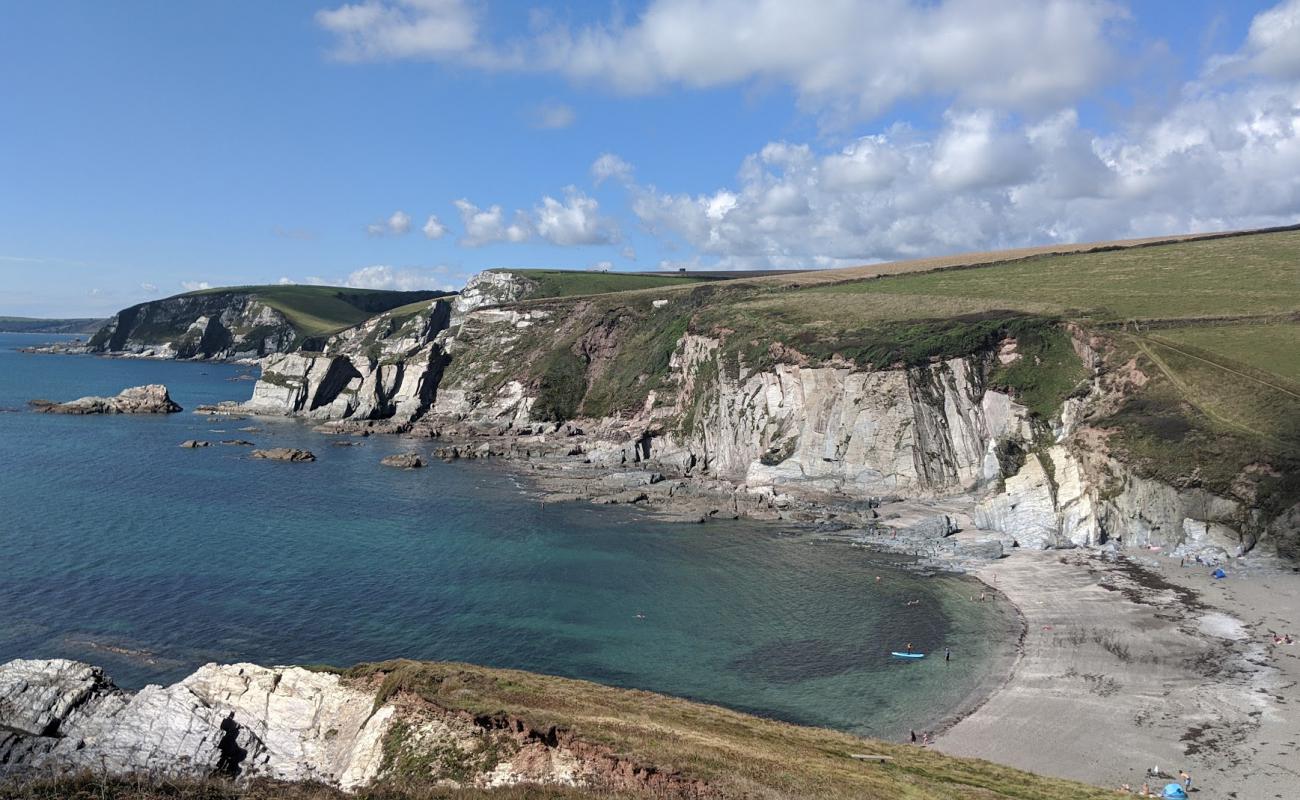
point(403, 461)
point(151, 399)
point(195, 443)
point(240, 720)
point(283, 454)
point(386, 368)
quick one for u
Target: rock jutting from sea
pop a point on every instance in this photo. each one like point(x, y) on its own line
point(283, 454)
point(151, 399)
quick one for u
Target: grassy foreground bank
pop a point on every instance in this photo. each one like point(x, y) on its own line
point(722, 753)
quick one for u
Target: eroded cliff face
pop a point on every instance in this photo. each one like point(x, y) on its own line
point(387, 368)
point(221, 325)
point(245, 721)
point(818, 433)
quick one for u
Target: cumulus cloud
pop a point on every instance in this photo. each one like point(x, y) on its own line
point(574, 220)
point(1272, 46)
point(382, 276)
point(194, 286)
point(488, 225)
point(433, 228)
point(149, 287)
point(836, 54)
point(610, 167)
point(398, 224)
point(552, 116)
point(418, 29)
point(1218, 159)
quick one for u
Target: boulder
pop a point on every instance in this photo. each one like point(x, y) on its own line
point(237, 442)
point(193, 443)
point(403, 461)
point(284, 454)
point(151, 399)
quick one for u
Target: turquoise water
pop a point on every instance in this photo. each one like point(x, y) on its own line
point(122, 549)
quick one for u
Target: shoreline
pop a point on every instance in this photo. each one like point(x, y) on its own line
point(1129, 664)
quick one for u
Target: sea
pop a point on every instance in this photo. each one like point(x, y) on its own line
point(122, 549)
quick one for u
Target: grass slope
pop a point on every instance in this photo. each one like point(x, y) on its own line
point(322, 310)
point(738, 754)
point(565, 283)
point(1211, 321)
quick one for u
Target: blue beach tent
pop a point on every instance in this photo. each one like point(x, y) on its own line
point(1174, 791)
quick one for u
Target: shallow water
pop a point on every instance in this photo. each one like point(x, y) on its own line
point(122, 549)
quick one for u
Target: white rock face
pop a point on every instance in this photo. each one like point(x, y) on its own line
point(241, 719)
point(388, 367)
point(489, 288)
point(1025, 510)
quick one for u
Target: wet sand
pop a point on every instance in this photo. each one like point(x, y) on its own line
point(1137, 664)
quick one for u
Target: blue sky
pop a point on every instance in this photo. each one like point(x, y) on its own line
point(146, 148)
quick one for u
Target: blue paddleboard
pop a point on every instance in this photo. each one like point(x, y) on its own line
point(907, 655)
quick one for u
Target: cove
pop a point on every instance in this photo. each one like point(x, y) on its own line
point(122, 549)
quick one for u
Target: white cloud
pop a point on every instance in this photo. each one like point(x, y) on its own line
point(433, 228)
point(1219, 159)
point(573, 221)
point(602, 266)
point(397, 224)
point(382, 276)
point(837, 54)
point(149, 287)
point(194, 286)
point(419, 29)
point(628, 252)
point(553, 116)
point(610, 166)
point(485, 226)
point(1272, 45)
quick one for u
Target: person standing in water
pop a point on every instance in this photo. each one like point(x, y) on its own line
point(947, 654)
point(909, 647)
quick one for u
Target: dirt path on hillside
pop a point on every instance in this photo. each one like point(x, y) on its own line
point(1126, 668)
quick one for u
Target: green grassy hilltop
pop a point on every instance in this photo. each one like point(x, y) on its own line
point(1210, 326)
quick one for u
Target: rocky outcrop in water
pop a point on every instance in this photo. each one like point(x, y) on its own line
point(283, 454)
point(403, 461)
point(151, 399)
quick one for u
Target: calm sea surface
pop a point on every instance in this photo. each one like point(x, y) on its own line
point(119, 548)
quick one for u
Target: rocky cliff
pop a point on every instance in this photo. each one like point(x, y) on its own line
point(246, 721)
point(242, 322)
point(630, 386)
point(406, 729)
point(386, 368)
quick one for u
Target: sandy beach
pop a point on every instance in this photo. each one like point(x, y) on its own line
point(1140, 663)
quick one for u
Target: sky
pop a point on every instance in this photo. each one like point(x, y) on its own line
point(152, 148)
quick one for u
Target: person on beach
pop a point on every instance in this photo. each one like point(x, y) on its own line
point(1186, 779)
point(913, 737)
point(1146, 790)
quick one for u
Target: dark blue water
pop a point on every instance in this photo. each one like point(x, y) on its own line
point(120, 548)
